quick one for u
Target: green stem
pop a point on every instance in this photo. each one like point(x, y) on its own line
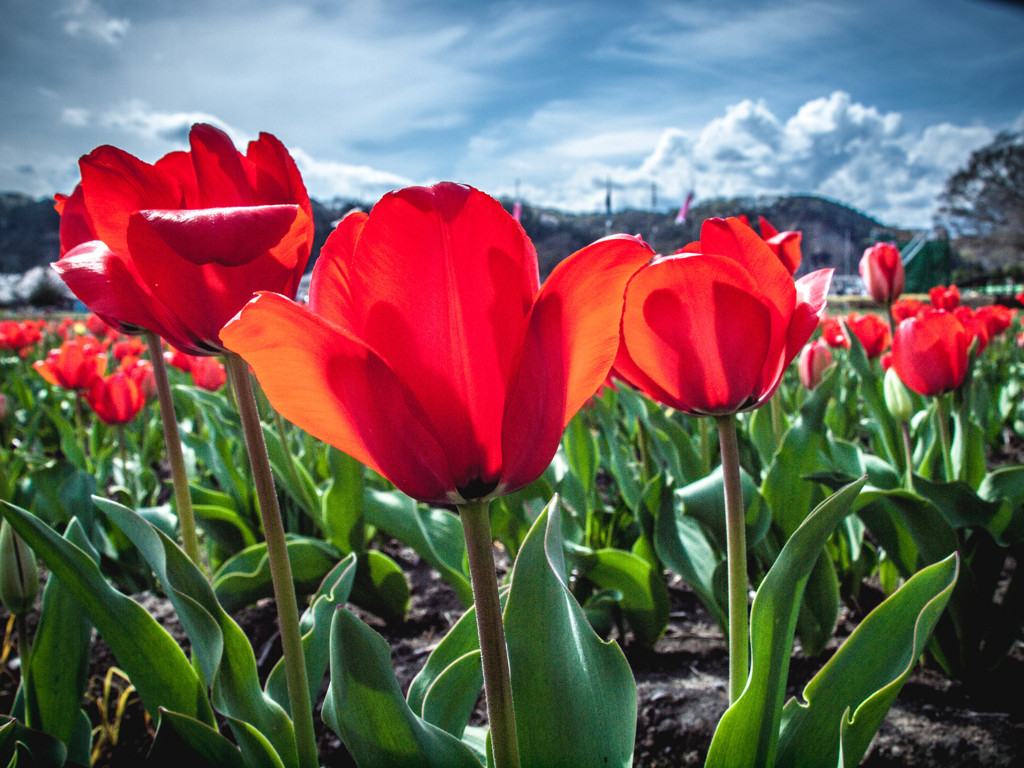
point(493, 651)
point(908, 451)
point(172, 439)
point(280, 567)
point(736, 553)
point(942, 414)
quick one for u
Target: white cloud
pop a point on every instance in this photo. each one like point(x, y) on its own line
point(75, 116)
point(85, 19)
point(154, 126)
point(327, 179)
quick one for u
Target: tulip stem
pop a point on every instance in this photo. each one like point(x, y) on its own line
point(172, 439)
point(280, 566)
point(493, 651)
point(942, 414)
point(736, 554)
point(909, 453)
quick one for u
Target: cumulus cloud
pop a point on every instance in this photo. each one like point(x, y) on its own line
point(87, 20)
point(832, 146)
point(140, 120)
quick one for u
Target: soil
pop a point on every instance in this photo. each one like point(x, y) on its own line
point(681, 684)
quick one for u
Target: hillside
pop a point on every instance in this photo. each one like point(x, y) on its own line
point(833, 234)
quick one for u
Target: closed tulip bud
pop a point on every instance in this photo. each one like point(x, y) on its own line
point(897, 397)
point(814, 360)
point(19, 577)
point(881, 269)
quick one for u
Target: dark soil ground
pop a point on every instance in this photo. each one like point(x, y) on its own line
point(681, 684)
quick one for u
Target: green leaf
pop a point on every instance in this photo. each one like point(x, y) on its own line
point(1006, 486)
point(291, 475)
point(642, 595)
point(245, 577)
point(434, 534)
point(342, 503)
point(848, 699)
point(748, 733)
point(22, 746)
point(58, 670)
point(581, 450)
point(183, 740)
point(589, 716)
point(225, 526)
point(365, 707)
point(788, 494)
point(381, 587)
point(315, 625)
point(219, 646)
point(154, 662)
point(704, 501)
point(450, 701)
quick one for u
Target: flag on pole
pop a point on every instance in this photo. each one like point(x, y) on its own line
point(684, 208)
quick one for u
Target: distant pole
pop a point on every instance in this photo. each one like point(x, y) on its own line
point(608, 206)
point(652, 221)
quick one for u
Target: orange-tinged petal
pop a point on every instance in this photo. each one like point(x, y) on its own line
point(340, 391)
point(700, 328)
point(570, 345)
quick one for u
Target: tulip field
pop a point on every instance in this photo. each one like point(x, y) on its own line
point(569, 460)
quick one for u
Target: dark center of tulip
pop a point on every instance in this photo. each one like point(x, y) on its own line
point(477, 489)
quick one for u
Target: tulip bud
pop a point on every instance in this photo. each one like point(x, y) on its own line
point(19, 577)
point(814, 361)
point(882, 271)
point(897, 397)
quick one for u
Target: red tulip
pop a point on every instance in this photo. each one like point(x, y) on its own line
point(872, 332)
point(945, 298)
point(712, 332)
point(178, 359)
point(997, 318)
point(905, 308)
point(133, 347)
point(834, 334)
point(141, 372)
point(180, 246)
point(814, 360)
point(74, 364)
point(18, 336)
point(886, 361)
point(430, 352)
point(929, 352)
point(116, 399)
point(881, 269)
point(785, 245)
point(208, 373)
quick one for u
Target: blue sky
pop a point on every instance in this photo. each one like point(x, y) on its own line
point(871, 103)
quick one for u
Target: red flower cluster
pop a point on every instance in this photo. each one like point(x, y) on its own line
point(945, 298)
point(19, 337)
point(74, 364)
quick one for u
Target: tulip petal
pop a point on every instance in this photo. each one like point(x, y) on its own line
point(227, 236)
point(330, 294)
point(116, 184)
point(340, 391)
point(220, 173)
point(700, 328)
point(224, 289)
point(570, 345)
point(812, 296)
point(442, 281)
point(929, 352)
point(105, 283)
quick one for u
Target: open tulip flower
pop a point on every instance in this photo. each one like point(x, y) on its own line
point(73, 365)
point(872, 332)
point(929, 352)
point(712, 329)
point(116, 399)
point(178, 247)
point(881, 269)
point(430, 352)
point(904, 308)
point(945, 298)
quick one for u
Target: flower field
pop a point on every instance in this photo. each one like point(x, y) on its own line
point(636, 433)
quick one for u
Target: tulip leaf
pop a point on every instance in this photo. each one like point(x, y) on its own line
point(380, 587)
point(245, 577)
point(58, 670)
point(849, 697)
point(225, 527)
point(342, 503)
point(589, 716)
point(450, 701)
point(1006, 486)
point(434, 534)
point(183, 740)
point(819, 610)
point(704, 500)
point(154, 662)
point(23, 746)
point(291, 475)
point(219, 646)
point(748, 733)
point(315, 625)
point(642, 595)
point(365, 707)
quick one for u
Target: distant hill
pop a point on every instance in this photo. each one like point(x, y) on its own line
point(833, 234)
